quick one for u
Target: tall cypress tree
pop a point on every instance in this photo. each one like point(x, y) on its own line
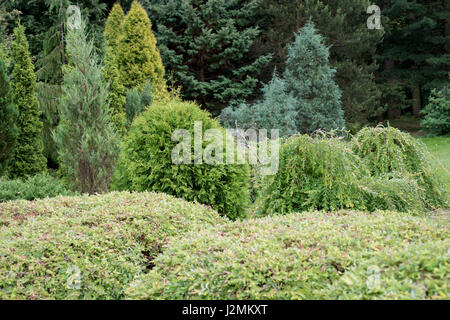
point(310, 80)
point(117, 93)
point(8, 118)
point(138, 58)
point(28, 157)
point(207, 44)
point(88, 146)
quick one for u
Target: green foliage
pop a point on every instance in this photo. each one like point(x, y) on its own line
point(116, 96)
point(207, 45)
point(314, 174)
point(380, 169)
point(39, 186)
point(146, 161)
point(437, 113)
point(305, 256)
point(88, 146)
point(439, 148)
point(276, 110)
point(8, 118)
point(108, 239)
point(417, 271)
point(137, 100)
point(352, 46)
point(137, 56)
point(310, 79)
point(28, 158)
point(306, 99)
point(387, 151)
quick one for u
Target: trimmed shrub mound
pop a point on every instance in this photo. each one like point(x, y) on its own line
point(303, 256)
point(38, 186)
point(146, 161)
point(388, 152)
point(88, 247)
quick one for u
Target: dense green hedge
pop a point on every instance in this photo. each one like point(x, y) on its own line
point(38, 186)
point(109, 239)
point(311, 255)
point(146, 161)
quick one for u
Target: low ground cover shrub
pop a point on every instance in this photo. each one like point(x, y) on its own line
point(146, 161)
point(304, 256)
point(38, 186)
point(88, 247)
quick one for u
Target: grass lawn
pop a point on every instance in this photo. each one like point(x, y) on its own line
point(440, 149)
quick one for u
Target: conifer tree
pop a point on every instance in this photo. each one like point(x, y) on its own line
point(8, 118)
point(138, 58)
point(310, 80)
point(88, 146)
point(28, 156)
point(207, 46)
point(116, 96)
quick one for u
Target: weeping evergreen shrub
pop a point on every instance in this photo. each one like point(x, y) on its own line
point(389, 153)
point(315, 173)
point(146, 163)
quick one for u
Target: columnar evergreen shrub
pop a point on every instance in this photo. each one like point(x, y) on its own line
point(146, 161)
point(116, 96)
point(88, 146)
point(387, 152)
point(437, 113)
point(8, 118)
point(138, 58)
point(28, 158)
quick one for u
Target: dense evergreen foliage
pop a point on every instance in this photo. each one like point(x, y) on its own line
point(437, 113)
point(88, 146)
point(28, 158)
point(207, 44)
point(146, 160)
point(8, 118)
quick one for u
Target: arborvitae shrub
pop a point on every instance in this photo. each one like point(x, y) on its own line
point(314, 174)
point(28, 158)
point(146, 162)
point(137, 57)
point(437, 113)
point(387, 151)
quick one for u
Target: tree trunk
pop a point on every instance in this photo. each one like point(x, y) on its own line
point(416, 101)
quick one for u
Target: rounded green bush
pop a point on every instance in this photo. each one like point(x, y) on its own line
point(314, 174)
point(88, 247)
point(387, 151)
point(301, 256)
point(146, 161)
